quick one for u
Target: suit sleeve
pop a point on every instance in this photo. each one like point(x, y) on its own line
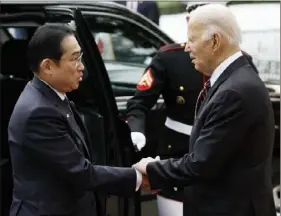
point(148, 91)
point(217, 144)
point(46, 138)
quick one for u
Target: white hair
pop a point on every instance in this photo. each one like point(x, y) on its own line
point(218, 18)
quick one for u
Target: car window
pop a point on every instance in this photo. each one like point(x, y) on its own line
point(123, 68)
point(121, 41)
point(18, 33)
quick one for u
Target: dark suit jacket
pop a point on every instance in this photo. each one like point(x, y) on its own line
point(147, 8)
point(228, 169)
point(52, 170)
point(150, 10)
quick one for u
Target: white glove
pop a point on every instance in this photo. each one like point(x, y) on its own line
point(138, 140)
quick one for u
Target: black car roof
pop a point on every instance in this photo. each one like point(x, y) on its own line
point(34, 6)
point(106, 7)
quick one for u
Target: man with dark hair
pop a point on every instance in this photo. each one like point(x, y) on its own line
point(53, 170)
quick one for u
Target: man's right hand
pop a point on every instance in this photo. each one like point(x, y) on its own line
point(146, 185)
point(138, 140)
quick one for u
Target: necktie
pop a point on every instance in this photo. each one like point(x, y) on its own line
point(67, 103)
point(74, 124)
point(202, 95)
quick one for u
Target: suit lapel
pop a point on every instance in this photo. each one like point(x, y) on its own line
point(56, 100)
point(81, 125)
point(226, 74)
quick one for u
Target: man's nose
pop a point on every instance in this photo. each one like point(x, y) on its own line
point(81, 67)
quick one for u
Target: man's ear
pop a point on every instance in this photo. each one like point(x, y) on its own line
point(216, 41)
point(46, 66)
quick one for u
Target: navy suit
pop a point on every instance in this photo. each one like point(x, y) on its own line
point(147, 8)
point(150, 10)
point(53, 171)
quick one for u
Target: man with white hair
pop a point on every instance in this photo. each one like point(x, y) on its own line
point(228, 168)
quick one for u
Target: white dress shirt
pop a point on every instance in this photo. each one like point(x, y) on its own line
point(62, 97)
point(221, 68)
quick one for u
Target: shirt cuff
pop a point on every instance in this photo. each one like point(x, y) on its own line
point(139, 179)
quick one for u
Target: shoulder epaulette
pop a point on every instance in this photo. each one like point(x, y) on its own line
point(171, 47)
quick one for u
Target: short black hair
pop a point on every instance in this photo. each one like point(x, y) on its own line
point(46, 43)
point(195, 6)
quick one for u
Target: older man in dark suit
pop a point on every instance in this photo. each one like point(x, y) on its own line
point(53, 171)
point(228, 168)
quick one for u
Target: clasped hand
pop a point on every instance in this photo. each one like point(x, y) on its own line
point(141, 167)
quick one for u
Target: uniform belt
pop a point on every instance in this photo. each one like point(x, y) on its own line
point(178, 126)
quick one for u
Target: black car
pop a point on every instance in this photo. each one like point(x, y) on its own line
point(117, 45)
point(107, 83)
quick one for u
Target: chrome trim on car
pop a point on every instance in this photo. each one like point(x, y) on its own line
point(121, 102)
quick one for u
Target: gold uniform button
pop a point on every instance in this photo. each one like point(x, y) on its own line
point(180, 100)
point(181, 88)
point(169, 146)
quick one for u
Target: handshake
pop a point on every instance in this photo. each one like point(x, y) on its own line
point(141, 167)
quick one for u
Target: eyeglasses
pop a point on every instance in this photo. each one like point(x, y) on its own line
point(78, 60)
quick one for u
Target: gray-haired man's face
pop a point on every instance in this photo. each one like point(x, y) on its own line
point(200, 49)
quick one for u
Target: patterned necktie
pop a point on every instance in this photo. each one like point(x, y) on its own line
point(202, 95)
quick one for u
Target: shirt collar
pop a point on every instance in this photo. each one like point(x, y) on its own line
point(61, 95)
point(221, 68)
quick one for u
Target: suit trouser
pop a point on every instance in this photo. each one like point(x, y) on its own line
point(169, 207)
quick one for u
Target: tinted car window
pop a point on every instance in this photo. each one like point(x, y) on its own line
point(119, 40)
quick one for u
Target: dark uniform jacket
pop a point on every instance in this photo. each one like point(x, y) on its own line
point(172, 75)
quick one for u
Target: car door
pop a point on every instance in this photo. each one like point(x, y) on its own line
point(127, 46)
point(115, 147)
